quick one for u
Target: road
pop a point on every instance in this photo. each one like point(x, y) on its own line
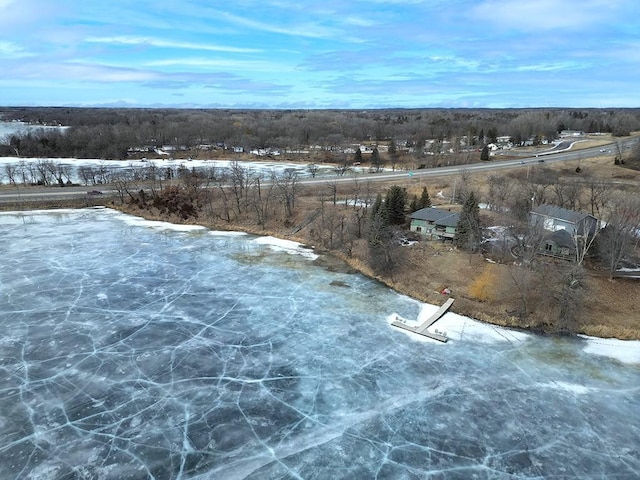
point(20, 193)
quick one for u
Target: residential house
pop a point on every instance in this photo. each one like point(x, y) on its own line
point(565, 227)
point(559, 244)
point(434, 223)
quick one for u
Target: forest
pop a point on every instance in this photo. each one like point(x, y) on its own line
point(110, 133)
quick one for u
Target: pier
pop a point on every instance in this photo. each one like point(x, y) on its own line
point(421, 329)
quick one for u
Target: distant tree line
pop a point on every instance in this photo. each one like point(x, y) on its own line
point(109, 133)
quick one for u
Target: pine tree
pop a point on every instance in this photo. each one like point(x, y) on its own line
point(425, 200)
point(484, 155)
point(414, 206)
point(377, 206)
point(468, 233)
point(394, 205)
point(358, 156)
point(376, 161)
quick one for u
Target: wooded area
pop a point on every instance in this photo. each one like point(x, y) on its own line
point(110, 133)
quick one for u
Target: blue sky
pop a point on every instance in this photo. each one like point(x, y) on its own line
point(320, 54)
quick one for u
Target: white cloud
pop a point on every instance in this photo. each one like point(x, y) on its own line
point(232, 64)
point(154, 42)
point(549, 67)
point(310, 30)
point(10, 50)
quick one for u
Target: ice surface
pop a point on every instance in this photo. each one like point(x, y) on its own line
point(136, 352)
point(259, 168)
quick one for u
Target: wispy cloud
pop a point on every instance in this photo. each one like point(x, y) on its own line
point(222, 63)
point(11, 50)
point(549, 67)
point(304, 29)
point(155, 42)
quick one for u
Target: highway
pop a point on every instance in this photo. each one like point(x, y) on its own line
point(32, 193)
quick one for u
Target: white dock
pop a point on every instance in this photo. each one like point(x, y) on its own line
point(421, 329)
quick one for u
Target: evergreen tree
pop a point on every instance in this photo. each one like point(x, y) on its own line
point(468, 233)
point(414, 206)
point(358, 156)
point(425, 200)
point(484, 155)
point(378, 208)
point(394, 205)
point(376, 162)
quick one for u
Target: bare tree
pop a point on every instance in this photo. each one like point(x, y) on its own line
point(239, 178)
point(584, 236)
point(500, 190)
point(43, 170)
point(621, 232)
point(123, 182)
point(288, 187)
point(597, 189)
point(11, 171)
point(313, 169)
point(88, 175)
point(260, 198)
point(59, 172)
point(332, 188)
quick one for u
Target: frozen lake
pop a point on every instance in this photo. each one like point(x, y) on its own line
point(104, 169)
point(136, 350)
point(11, 128)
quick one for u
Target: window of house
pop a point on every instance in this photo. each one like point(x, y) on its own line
point(418, 229)
point(548, 247)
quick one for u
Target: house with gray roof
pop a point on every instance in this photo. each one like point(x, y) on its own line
point(565, 227)
point(434, 223)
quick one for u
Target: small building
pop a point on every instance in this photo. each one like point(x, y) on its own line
point(559, 244)
point(571, 133)
point(434, 223)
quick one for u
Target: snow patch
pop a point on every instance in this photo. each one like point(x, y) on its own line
point(288, 246)
point(141, 222)
point(625, 351)
point(458, 327)
point(223, 233)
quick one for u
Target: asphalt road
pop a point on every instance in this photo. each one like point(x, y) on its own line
point(21, 193)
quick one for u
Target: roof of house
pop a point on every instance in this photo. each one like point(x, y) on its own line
point(562, 238)
point(437, 216)
point(560, 213)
